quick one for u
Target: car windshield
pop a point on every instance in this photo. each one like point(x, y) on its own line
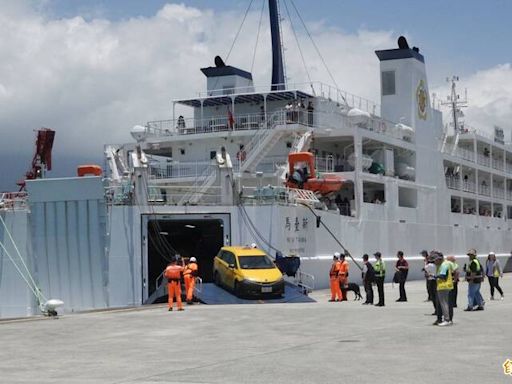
point(255, 262)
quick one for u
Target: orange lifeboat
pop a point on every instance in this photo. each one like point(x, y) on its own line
point(302, 175)
point(89, 170)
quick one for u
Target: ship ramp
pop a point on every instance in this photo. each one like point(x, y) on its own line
point(213, 294)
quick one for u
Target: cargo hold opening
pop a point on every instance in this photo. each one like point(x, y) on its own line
point(201, 238)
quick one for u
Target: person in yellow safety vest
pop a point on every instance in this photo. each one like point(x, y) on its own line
point(343, 277)
point(189, 275)
point(474, 277)
point(380, 274)
point(455, 277)
point(444, 279)
point(333, 278)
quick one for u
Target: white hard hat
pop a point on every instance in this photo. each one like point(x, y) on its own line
point(492, 254)
point(336, 254)
point(253, 245)
point(193, 259)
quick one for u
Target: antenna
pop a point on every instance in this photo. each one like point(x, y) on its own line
point(456, 104)
point(278, 79)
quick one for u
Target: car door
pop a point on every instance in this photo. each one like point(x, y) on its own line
point(221, 266)
point(230, 269)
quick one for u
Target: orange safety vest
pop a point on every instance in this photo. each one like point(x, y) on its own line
point(173, 272)
point(343, 274)
point(191, 269)
point(335, 269)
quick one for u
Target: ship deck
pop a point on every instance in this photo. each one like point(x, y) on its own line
point(279, 343)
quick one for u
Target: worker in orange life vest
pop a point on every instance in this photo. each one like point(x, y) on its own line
point(190, 274)
point(173, 274)
point(333, 278)
point(343, 277)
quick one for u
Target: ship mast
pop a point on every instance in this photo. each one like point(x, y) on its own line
point(278, 77)
point(456, 104)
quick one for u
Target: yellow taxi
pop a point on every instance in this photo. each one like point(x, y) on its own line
point(247, 271)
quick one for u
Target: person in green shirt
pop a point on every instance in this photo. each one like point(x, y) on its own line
point(380, 273)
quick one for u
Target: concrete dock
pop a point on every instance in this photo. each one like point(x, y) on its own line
point(317, 342)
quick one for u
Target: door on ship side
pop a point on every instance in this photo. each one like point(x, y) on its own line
point(198, 235)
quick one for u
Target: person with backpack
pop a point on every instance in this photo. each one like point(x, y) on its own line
point(368, 276)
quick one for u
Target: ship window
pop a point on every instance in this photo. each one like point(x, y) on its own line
point(388, 83)
point(407, 197)
point(373, 193)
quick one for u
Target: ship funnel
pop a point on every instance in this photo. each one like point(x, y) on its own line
point(404, 86)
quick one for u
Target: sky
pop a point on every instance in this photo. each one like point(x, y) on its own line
point(93, 69)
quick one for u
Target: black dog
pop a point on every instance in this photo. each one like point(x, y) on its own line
point(354, 288)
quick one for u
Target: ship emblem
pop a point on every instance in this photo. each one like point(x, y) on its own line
point(421, 96)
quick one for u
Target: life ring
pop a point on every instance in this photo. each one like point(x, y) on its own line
point(241, 155)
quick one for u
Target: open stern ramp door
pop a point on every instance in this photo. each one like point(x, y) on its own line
point(198, 235)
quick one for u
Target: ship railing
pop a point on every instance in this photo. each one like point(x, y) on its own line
point(499, 193)
point(191, 126)
point(465, 154)
point(14, 201)
point(484, 190)
point(177, 170)
point(483, 160)
point(468, 186)
point(324, 164)
point(281, 117)
point(452, 182)
point(497, 164)
point(468, 129)
point(120, 194)
point(460, 152)
point(184, 195)
point(316, 88)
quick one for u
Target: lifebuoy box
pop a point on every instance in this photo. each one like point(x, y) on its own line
point(89, 170)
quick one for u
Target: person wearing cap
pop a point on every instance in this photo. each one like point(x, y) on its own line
point(474, 277)
point(368, 277)
point(380, 274)
point(333, 278)
point(493, 272)
point(343, 277)
point(444, 282)
point(189, 275)
point(173, 274)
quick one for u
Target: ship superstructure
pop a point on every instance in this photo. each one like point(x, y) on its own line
point(221, 175)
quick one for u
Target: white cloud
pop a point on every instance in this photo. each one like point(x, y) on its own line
point(93, 79)
point(490, 99)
